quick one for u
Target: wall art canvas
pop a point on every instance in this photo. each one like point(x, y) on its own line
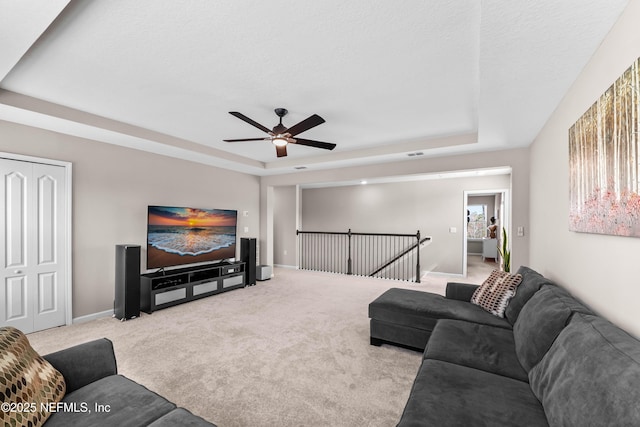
point(604, 161)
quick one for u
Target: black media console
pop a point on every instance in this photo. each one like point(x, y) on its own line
point(167, 288)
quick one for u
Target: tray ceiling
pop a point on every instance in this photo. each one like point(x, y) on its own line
point(389, 78)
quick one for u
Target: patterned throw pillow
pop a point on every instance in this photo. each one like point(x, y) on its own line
point(27, 381)
point(494, 294)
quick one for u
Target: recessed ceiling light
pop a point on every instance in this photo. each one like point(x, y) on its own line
point(363, 182)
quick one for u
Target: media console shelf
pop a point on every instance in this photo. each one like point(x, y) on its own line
point(167, 288)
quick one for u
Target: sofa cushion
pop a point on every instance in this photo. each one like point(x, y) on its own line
point(421, 309)
point(541, 320)
point(590, 375)
point(26, 380)
point(84, 363)
point(124, 403)
point(446, 394)
point(531, 282)
point(496, 291)
point(477, 346)
point(460, 291)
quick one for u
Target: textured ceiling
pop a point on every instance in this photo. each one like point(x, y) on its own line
point(390, 78)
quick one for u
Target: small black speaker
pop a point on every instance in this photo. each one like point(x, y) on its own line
point(248, 256)
point(127, 297)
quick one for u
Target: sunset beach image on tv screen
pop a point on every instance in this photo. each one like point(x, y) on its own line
point(177, 236)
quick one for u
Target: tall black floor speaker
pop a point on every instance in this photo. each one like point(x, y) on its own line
point(127, 297)
point(248, 256)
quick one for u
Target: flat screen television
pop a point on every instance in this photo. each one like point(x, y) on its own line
point(178, 236)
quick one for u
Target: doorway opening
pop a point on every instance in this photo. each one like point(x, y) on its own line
point(482, 209)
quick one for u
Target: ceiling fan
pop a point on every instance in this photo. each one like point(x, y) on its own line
point(281, 136)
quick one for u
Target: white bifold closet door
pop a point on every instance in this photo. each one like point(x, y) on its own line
point(32, 214)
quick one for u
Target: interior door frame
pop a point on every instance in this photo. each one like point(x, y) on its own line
point(68, 265)
point(505, 221)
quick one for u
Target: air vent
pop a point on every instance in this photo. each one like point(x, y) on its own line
point(300, 167)
point(418, 153)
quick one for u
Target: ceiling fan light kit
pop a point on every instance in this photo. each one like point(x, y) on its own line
point(281, 136)
point(280, 141)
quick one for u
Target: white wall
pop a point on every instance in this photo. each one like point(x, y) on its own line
point(431, 206)
point(517, 159)
point(601, 270)
point(112, 187)
point(284, 225)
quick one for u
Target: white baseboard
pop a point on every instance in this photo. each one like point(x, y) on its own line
point(94, 316)
point(293, 267)
point(438, 274)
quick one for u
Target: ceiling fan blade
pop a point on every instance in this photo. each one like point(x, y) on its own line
point(306, 124)
point(251, 122)
point(316, 144)
point(281, 151)
point(245, 139)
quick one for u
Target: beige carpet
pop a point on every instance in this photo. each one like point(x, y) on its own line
point(291, 351)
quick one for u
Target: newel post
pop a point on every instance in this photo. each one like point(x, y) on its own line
point(349, 270)
point(418, 257)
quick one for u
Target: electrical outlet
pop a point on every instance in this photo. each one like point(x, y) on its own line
point(246, 229)
point(453, 230)
point(520, 231)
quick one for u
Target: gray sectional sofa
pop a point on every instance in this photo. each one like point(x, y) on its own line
point(91, 378)
point(550, 361)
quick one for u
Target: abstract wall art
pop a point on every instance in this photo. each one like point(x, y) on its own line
point(604, 161)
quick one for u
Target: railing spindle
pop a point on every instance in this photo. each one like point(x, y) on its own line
point(382, 255)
